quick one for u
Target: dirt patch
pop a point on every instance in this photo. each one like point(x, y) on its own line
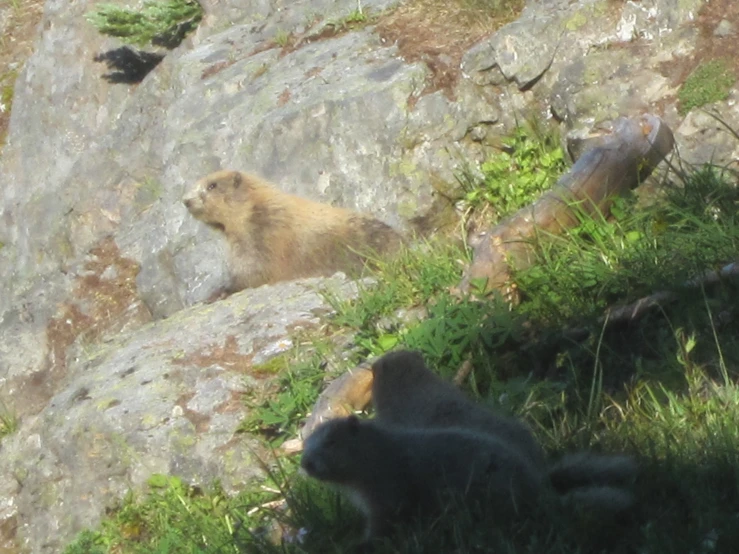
point(201, 422)
point(439, 32)
point(216, 68)
point(104, 301)
point(227, 356)
point(18, 22)
point(8, 532)
point(710, 46)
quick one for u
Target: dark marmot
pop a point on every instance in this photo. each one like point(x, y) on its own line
point(406, 392)
point(395, 475)
point(274, 236)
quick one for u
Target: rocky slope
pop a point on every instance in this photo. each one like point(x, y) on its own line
point(113, 364)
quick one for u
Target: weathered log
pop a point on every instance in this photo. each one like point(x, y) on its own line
point(617, 163)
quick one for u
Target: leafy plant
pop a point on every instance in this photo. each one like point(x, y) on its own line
point(529, 162)
point(276, 415)
point(165, 22)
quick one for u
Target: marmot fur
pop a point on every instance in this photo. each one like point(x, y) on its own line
point(274, 236)
point(405, 392)
point(395, 475)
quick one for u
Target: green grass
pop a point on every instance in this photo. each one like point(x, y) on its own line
point(663, 387)
point(282, 38)
point(8, 421)
point(173, 517)
point(710, 82)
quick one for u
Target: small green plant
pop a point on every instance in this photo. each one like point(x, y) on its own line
point(414, 278)
point(8, 422)
point(164, 23)
point(529, 162)
point(356, 16)
point(282, 38)
point(7, 86)
point(290, 400)
point(354, 19)
point(709, 82)
point(7, 89)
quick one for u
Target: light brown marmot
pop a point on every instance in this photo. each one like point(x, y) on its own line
point(395, 476)
point(274, 236)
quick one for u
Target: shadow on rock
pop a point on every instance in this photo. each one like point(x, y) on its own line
point(128, 65)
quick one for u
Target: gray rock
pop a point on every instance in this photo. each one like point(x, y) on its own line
point(724, 29)
point(165, 398)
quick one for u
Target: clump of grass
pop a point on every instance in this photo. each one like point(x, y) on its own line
point(710, 82)
point(410, 281)
point(355, 19)
point(7, 89)
point(165, 22)
point(282, 38)
point(8, 422)
point(490, 14)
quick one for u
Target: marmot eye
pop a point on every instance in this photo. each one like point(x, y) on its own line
point(211, 185)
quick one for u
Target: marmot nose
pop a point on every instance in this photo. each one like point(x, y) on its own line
point(187, 202)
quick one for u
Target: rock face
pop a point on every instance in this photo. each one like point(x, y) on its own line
point(109, 360)
point(166, 397)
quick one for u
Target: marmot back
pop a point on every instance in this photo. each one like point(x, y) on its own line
point(405, 392)
point(274, 236)
point(396, 475)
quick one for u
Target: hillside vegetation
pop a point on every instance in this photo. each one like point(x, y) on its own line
point(661, 384)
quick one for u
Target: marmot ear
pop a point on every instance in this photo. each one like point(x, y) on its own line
point(237, 180)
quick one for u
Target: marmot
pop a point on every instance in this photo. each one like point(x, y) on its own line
point(395, 475)
point(405, 392)
point(274, 236)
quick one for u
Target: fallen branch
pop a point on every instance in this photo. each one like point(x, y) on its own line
point(617, 163)
point(636, 309)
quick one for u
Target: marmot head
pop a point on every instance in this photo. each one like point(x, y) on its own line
point(332, 451)
point(220, 197)
point(404, 368)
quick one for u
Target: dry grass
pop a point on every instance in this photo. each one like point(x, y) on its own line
point(439, 32)
point(18, 30)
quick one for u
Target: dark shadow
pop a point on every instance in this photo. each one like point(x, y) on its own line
point(128, 66)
